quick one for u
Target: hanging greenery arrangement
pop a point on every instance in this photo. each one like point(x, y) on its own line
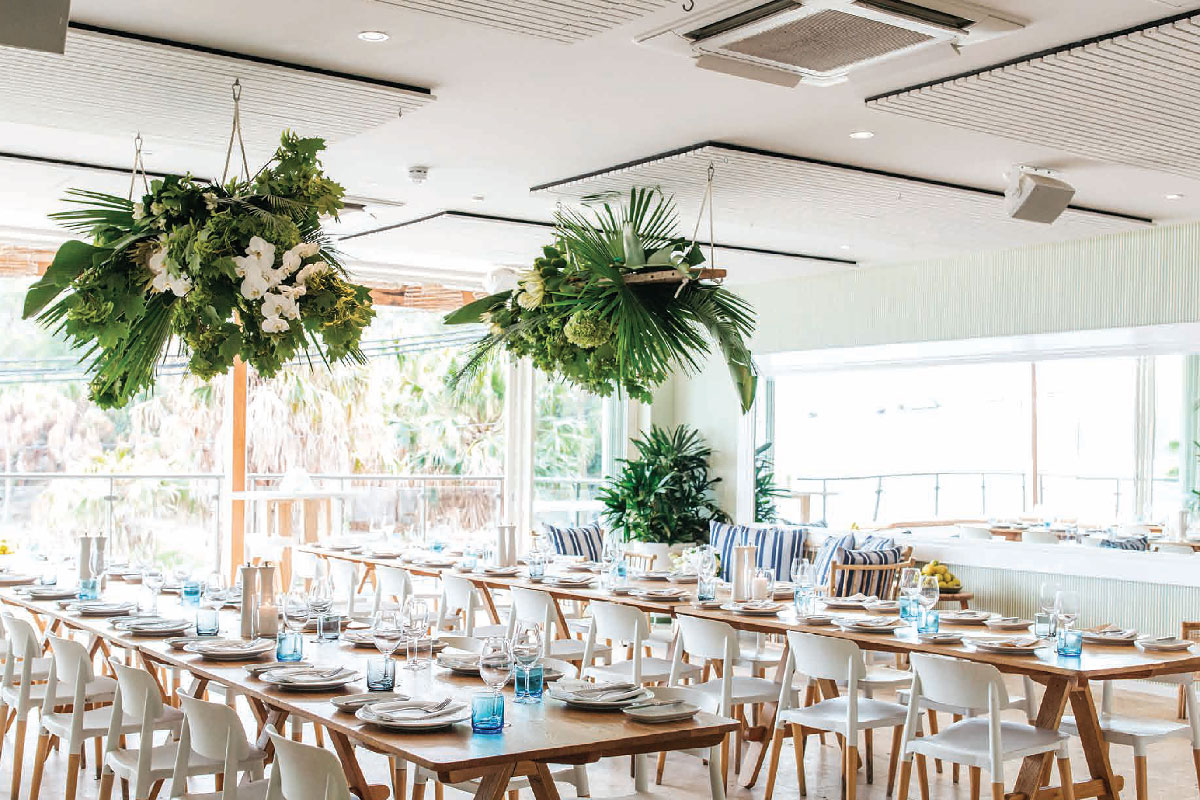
point(238, 268)
point(616, 304)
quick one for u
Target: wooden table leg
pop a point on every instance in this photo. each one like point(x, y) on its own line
point(495, 784)
point(1035, 770)
point(354, 775)
point(489, 603)
point(542, 783)
point(561, 622)
point(1090, 734)
point(757, 753)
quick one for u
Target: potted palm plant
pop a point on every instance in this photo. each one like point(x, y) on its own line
point(663, 499)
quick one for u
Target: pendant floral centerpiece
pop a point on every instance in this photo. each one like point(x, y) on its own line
point(616, 304)
point(233, 269)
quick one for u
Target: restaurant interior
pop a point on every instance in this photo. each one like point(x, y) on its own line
point(609, 399)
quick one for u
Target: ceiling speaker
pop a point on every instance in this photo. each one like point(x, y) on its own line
point(1037, 198)
point(35, 24)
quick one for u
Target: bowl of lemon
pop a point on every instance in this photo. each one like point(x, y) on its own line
point(947, 582)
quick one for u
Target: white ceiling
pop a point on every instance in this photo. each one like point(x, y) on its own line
point(514, 111)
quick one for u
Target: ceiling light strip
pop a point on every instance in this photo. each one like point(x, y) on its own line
point(557, 20)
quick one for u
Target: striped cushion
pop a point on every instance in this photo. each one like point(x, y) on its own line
point(874, 583)
point(587, 541)
point(1127, 543)
point(777, 545)
point(828, 551)
point(873, 541)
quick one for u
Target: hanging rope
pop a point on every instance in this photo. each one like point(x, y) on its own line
point(138, 167)
point(706, 202)
point(236, 132)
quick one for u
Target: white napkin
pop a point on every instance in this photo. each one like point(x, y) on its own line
point(410, 710)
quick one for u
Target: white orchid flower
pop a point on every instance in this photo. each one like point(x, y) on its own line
point(272, 305)
point(253, 287)
point(292, 292)
point(161, 282)
point(245, 265)
point(180, 285)
point(308, 249)
point(261, 251)
point(275, 325)
point(291, 261)
point(158, 261)
point(139, 211)
point(291, 309)
point(315, 268)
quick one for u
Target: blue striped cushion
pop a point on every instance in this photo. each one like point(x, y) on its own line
point(587, 541)
point(868, 583)
point(1127, 543)
point(874, 541)
point(828, 551)
point(777, 545)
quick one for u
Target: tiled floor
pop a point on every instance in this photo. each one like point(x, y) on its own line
point(1171, 770)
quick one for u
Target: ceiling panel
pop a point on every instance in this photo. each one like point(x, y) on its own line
point(1131, 97)
point(785, 202)
point(474, 243)
point(558, 20)
point(123, 84)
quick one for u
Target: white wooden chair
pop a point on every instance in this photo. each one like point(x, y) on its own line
point(1140, 732)
point(392, 587)
point(213, 735)
point(974, 532)
point(138, 698)
point(1039, 536)
point(712, 640)
point(626, 625)
point(302, 772)
point(533, 605)
point(20, 694)
point(824, 658)
point(716, 778)
point(71, 677)
point(459, 596)
point(984, 741)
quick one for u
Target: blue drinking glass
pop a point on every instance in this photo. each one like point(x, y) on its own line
point(329, 627)
point(528, 683)
point(910, 609)
point(706, 589)
point(289, 646)
point(470, 559)
point(381, 674)
point(487, 713)
point(929, 622)
point(89, 589)
point(189, 594)
point(1070, 643)
point(537, 566)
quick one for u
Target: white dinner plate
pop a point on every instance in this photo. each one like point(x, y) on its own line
point(845, 602)
point(230, 649)
point(654, 714)
point(754, 610)
point(814, 619)
point(967, 617)
point(1005, 624)
point(309, 679)
point(159, 627)
point(1119, 637)
point(1167, 646)
point(16, 580)
point(353, 702)
point(100, 609)
point(563, 691)
point(50, 593)
point(452, 714)
point(1016, 647)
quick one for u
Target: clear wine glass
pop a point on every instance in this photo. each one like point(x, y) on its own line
point(1047, 596)
point(295, 611)
point(910, 579)
point(153, 579)
point(526, 650)
point(387, 631)
point(1066, 605)
point(496, 662)
point(215, 590)
point(928, 592)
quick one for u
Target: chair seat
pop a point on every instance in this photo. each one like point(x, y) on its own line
point(487, 631)
point(40, 671)
point(96, 722)
point(1014, 701)
point(162, 762)
point(756, 657)
point(1133, 732)
point(830, 715)
point(745, 690)
point(101, 690)
point(966, 742)
point(654, 670)
point(572, 650)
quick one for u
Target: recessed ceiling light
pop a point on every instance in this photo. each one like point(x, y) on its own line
point(844, 247)
point(373, 36)
point(861, 134)
point(1173, 196)
point(478, 198)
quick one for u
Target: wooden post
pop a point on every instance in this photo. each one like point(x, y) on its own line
point(237, 465)
point(1033, 429)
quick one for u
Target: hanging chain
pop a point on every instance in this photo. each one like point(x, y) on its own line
point(236, 132)
point(138, 167)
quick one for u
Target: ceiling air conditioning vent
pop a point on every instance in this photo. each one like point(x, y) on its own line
point(821, 41)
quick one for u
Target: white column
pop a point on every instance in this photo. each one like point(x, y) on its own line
point(1143, 443)
point(518, 454)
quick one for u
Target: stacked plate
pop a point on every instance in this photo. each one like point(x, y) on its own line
point(1164, 644)
point(707, 603)
point(309, 679)
point(50, 592)
point(940, 638)
point(1020, 645)
point(755, 608)
point(569, 580)
point(435, 561)
point(784, 591)
point(1006, 623)
point(654, 575)
point(16, 580)
point(1111, 635)
point(98, 608)
point(671, 593)
point(414, 715)
point(882, 607)
point(870, 624)
point(656, 711)
point(598, 696)
point(684, 577)
point(353, 702)
point(814, 619)
point(154, 627)
point(853, 601)
point(966, 617)
point(504, 572)
point(584, 566)
point(231, 649)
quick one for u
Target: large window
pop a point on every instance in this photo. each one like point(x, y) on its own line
point(1095, 439)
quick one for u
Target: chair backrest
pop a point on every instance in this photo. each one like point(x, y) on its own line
point(391, 582)
point(345, 576)
point(72, 663)
point(870, 572)
point(303, 772)
point(955, 682)
point(620, 623)
point(468, 644)
point(826, 658)
point(707, 639)
point(533, 605)
point(640, 562)
point(140, 695)
point(1175, 547)
point(1039, 536)
point(974, 532)
point(23, 645)
point(565, 667)
point(213, 728)
point(458, 596)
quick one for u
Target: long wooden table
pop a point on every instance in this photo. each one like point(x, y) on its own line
point(1067, 680)
point(537, 735)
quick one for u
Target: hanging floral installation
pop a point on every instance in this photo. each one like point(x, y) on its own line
point(617, 303)
point(238, 268)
